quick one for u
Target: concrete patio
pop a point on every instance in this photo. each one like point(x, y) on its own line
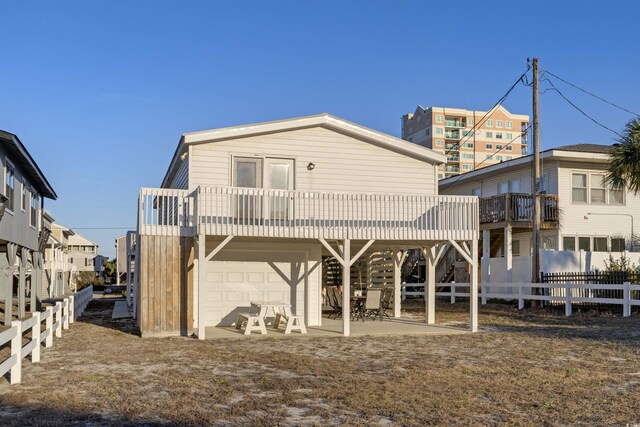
point(333, 328)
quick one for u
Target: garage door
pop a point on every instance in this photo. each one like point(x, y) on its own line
point(232, 285)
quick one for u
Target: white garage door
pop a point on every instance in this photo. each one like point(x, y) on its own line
point(232, 285)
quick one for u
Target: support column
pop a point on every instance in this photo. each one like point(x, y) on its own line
point(430, 285)
point(6, 281)
point(508, 252)
point(474, 285)
point(486, 256)
point(22, 284)
point(346, 289)
point(398, 257)
point(200, 259)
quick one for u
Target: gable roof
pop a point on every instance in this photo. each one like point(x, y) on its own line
point(27, 165)
point(575, 152)
point(324, 120)
point(79, 240)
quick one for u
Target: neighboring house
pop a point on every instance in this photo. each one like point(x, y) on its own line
point(125, 261)
point(451, 131)
point(583, 219)
point(249, 212)
point(121, 259)
point(57, 271)
point(23, 230)
point(83, 254)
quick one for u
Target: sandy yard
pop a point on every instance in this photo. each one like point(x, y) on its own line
point(525, 368)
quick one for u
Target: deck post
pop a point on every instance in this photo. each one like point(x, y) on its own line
point(346, 291)
point(486, 262)
point(398, 257)
point(430, 254)
point(22, 284)
point(200, 259)
point(474, 285)
point(508, 252)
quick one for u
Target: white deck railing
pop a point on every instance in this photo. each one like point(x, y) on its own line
point(302, 214)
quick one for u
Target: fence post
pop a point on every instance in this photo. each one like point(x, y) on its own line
point(483, 294)
point(35, 336)
point(404, 295)
point(520, 296)
point(453, 293)
point(626, 300)
point(58, 322)
point(567, 304)
point(65, 313)
point(72, 308)
point(48, 342)
point(16, 349)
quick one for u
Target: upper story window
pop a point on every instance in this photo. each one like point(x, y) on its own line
point(427, 131)
point(509, 125)
point(508, 148)
point(469, 144)
point(438, 118)
point(470, 122)
point(25, 197)
point(9, 186)
point(509, 136)
point(439, 142)
point(498, 135)
point(498, 123)
point(489, 123)
point(598, 192)
point(439, 131)
point(489, 134)
point(489, 146)
point(476, 192)
point(498, 146)
point(591, 188)
point(34, 210)
point(579, 188)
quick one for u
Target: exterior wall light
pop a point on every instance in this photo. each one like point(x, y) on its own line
point(311, 166)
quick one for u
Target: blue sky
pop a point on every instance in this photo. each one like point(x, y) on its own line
point(100, 91)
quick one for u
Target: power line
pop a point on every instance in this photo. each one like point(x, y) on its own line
point(488, 113)
point(102, 228)
point(580, 110)
point(589, 93)
point(476, 166)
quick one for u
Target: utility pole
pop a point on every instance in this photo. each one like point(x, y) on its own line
point(535, 259)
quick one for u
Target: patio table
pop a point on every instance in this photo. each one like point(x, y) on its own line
point(265, 306)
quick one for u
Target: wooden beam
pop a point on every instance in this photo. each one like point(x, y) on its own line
point(360, 252)
point(464, 253)
point(219, 247)
point(333, 252)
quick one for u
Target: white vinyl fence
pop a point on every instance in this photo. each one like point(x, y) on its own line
point(628, 295)
point(55, 318)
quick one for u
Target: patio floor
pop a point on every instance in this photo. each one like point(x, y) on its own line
point(333, 328)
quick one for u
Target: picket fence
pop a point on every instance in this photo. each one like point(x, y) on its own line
point(56, 318)
point(567, 293)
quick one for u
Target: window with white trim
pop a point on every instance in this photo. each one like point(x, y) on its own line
point(489, 123)
point(498, 123)
point(509, 125)
point(23, 200)
point(34, 211)
point(9, 186)
point(579, 187)
point(489, 134)
point(439, 131)
point(438, 118)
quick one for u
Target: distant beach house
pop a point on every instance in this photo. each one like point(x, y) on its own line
point(583, 219)
point(248, 212)
point(24, 231)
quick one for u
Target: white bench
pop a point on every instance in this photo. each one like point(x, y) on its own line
point(253, 321)
point(293, 322)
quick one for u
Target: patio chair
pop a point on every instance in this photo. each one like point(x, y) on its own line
point(387, 301)
point(334, 297)
point(373, 304)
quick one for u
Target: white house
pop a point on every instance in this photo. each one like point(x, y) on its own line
point(248, 212)
point(583, 219)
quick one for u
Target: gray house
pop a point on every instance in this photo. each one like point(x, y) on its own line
point(24, 231)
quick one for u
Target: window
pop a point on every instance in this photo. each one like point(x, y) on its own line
point(440, 176)
point(9, 185)
point(489, 123)
point(438, 118)
point(469, 144)
point(498, 158)
point(514, 186)
point(34, 210)
point(466, 132)
point(476, 192)
point(467, 156)
point(584, 243)
point(71, 260)
point(597, 189)
point(467, 167)
point(23, 200)
point(489, 134)
point(503, 187)
point(515, 247)
point(439, 131)
point(498, 123)
point(579, 187)
point(509, 136)
point(617, 244)
point(427, 131)
point(569, 243)
point(488, 156)
point(616, 196)
point(600, 244)
point(247, 172)
point(508, 157)
point(544, 183)
point(498, 135)
point(499, 147)
point(470, 122)
point(489, 146)
point(439, 142)
point(549, 243)
point(508, 148)
point(509, 125)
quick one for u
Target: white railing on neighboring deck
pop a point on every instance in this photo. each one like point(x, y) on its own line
point(628, 295)
point(55, 317)
point(302, 214)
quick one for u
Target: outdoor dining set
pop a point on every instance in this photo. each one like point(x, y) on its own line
point(370, 303)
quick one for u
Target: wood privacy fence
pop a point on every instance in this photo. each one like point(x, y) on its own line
point(39, 330)
point(569, 294)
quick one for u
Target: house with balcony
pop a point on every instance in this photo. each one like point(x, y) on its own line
point(24, 231)
point(58, 278)
point(84, 257)
point(582, 219)
point(251, 212)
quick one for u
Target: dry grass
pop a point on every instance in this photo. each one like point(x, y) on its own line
point(525, 368)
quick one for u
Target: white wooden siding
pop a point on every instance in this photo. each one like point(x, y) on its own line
point(181, 178)
point(342, 163)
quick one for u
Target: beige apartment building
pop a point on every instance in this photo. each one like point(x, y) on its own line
point(468, 138)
